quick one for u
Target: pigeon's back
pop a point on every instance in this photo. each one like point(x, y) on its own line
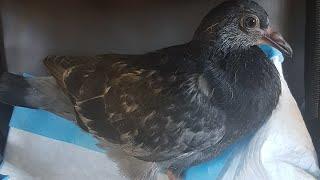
point(140, 101)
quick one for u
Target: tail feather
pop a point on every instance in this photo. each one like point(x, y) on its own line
point(13, 89)
point(37, 93)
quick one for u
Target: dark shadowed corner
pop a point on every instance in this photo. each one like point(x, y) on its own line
point(5, 110)
point(312, 72)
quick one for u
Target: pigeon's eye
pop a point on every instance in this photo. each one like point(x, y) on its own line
point(250, 22)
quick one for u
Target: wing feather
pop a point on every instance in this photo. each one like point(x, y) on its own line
point(138, 102)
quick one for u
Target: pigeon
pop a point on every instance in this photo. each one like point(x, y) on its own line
point(173, 108)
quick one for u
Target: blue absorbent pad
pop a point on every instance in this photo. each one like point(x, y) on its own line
point(52, 126)
point(3, 177)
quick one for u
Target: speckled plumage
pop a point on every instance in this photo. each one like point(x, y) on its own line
point(148, 104)
point(175, 107)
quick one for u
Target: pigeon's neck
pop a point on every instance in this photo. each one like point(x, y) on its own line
point(207, 53)
point(246, 84)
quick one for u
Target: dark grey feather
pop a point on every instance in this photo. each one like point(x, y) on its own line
point(39, 93)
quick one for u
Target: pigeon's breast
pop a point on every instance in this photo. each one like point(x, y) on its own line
point(256, 87)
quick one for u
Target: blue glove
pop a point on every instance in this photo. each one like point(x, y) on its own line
point(212, 169)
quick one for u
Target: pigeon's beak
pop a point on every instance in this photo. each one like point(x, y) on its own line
point(276, 39)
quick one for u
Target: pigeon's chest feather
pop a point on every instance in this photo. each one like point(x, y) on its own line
point(249, 89)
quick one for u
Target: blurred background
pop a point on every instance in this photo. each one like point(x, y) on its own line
point(34, 29)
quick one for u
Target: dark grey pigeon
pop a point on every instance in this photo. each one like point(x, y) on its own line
point(173, 108)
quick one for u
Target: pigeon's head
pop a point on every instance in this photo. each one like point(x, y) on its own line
point(239, 24)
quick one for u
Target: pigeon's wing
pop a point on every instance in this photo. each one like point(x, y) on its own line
point(139, 102)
